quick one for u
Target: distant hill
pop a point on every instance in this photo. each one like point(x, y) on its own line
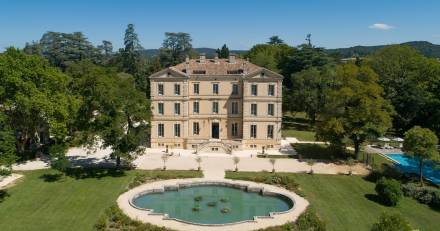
point(208, 51)
point(426, 48)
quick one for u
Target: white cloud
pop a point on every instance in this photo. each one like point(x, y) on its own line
point(381, 26)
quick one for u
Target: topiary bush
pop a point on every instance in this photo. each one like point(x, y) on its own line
point(393, 222)
point(389, 191)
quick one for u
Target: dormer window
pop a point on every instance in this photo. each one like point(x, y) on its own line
point(235, 72)
point(199, 72)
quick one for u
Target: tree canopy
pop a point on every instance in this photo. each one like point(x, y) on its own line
point(175, 48)
point(422, 144)
point(34, 98)
point(355, 109)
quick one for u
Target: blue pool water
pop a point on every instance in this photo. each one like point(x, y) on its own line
point(411, 165)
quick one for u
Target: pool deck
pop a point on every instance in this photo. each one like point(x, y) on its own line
point(259, 223)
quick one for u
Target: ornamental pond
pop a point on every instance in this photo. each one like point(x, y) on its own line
point(213, 204)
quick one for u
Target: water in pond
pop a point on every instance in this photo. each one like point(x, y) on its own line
point(210, 201)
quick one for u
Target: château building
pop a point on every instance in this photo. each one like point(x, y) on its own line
point(216, 105)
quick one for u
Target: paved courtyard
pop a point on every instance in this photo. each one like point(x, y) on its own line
point(217, 163)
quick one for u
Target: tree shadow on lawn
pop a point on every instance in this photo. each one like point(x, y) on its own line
point(84, 173)
point(373, 198)
point(3, 195)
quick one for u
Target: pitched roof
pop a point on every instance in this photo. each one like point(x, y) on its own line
point(221, 67)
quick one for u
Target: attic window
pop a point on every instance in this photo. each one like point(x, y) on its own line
point(199, 72)
point(184, 70)
point(235, 72)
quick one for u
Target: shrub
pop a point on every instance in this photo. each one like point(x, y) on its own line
point(389, 191)
point(225, 210)
point(424, 195)
point(196, 208)
point(224, 200)
point(389, 222)
point(115, 219)
point(5, 171)
point(309, 221)
point(198, 198)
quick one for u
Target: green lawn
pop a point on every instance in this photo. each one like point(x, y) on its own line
point(342, 201)
point(300, 135)
point(43, 202)
point(297, 125)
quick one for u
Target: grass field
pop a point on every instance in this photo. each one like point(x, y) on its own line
point(44, 202)
point(297, 125)
point(347, 202)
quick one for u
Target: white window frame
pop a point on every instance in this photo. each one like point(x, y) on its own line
point(252, 89)
point(159, 111)
point(177, 89)
point(252, 109)
point(253, 131)
point(177, 109)
point(176, 130)
point(161, 130)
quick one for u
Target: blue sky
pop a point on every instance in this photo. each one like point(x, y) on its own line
point(238, 23)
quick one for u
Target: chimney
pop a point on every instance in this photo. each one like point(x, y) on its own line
point(202, 58)
point(232, 58)
point(216, 58)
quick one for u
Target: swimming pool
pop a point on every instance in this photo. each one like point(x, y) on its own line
point(409, 164)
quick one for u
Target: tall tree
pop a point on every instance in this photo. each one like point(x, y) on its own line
point(355, 109)
point(275, 40)
point(175, 47)
point(112, 110)
point(132, 59)
point(310, 89)
point(34, 97)
point(223, 53)
point(411, 82)
point(421, 143)
point(61, 49)
point(106, 49)
point(7, 143)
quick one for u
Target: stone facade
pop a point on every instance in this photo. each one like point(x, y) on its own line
point(216, 105)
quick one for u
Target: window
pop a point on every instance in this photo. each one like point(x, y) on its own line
point(234, 108)
point(196, 88)
point(177, 89)
point(254, 109)
point(160, 130)
point(177, 108)
point(270, 131)
point(199, 72)
point(215, 107)
point(254, 89)
point(235, 89)
point(160, 89)
point(270, 109)
point(177, 130)
point(196, 107)
point(215, 88)
point(271, 90)
point(253, 131)
point(160, 108)
point(196, 128)
point(234, 129)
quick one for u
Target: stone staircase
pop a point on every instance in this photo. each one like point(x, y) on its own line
point(215, 145)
